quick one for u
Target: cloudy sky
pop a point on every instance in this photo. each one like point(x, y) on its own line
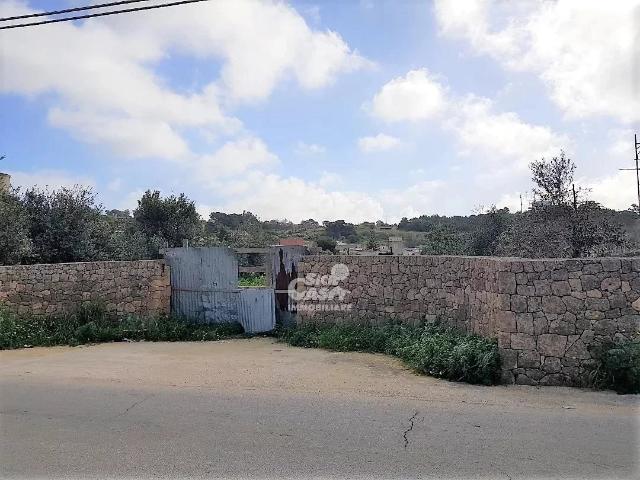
point(357, 110)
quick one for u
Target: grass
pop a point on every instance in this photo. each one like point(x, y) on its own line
point(92, 324)
point(252, 280)
point(428, 349)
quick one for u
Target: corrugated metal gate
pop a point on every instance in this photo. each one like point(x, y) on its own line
point(204, 288)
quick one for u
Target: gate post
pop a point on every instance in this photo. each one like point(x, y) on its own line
point(284, 269)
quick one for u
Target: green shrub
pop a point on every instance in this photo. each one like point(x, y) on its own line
point(252, 280)
point(619, 367)
point(92, 324)
point(428, 349)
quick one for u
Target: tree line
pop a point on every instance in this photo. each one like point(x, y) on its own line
point(69, 225)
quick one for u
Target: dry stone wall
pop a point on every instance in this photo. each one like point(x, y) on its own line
point(137, 287)
point(548, 316)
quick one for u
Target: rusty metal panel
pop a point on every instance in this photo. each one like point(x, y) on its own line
point(256, 309)
point(204, 283)
point(285, 269)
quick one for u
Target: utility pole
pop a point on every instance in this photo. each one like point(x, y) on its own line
point(637, 169)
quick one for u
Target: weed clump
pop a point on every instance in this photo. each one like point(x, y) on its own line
point(428, 349)
point(93, 324)
point(618, 367)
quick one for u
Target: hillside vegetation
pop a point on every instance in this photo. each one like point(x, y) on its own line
point(68, 225)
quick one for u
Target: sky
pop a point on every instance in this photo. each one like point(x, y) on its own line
point(354, 110)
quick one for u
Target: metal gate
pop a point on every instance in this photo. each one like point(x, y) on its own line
point(204, 288)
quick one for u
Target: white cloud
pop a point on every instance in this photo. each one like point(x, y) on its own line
point(587, 53)
point(378, 143)
point(304, 149)
point(106, 89)
point(617, 190)
point(205, 210)
point(51, 179)
point(513, 201)
point(272, 196)
point(501, 140)
point(127, 136)
point(233, 158)
point(416, 96)
point(330, 180)
point(418, 199)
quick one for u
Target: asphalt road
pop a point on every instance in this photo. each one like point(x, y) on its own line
point(255, 408)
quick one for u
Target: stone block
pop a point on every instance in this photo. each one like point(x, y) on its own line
point(522, 379)
point(599, 304)
point(528, 359)
point(534, 304)
point(552, 365)
point(562, 327)
point(506, 321)
point(592, 268)
point(509, 359)
point(561, 288)
point(553, 380)
point(506, 282)
point(518, 303)
point(610, 284)
point(551, 304)
point(523, 341)
point(552, 345)
point(524, 323)
point(543, 287)
point(610, 264)
point(559, 274)
point(526, 290)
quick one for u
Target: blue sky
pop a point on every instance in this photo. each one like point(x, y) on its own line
point(359, 110)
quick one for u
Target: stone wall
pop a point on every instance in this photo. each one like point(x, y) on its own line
point(548, 316)
point(139, 287)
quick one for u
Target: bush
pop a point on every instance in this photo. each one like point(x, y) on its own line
point(92, 324)
point(619, 368)
point(252, 280)
point(428, 349)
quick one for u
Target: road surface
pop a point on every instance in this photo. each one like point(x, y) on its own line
point(257, 408)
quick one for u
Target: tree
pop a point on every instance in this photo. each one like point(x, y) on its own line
point(562, 222)
point(15, 244)
point(491, 226)
point(65, 225)
point(341, 230)
point(172, 218)
point(553, 180)
point(442, 241)
point(372, 241)
point(241, 230)
point(327, 244)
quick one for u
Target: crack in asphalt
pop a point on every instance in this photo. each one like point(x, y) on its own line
point(411, 421)
point(134, 404)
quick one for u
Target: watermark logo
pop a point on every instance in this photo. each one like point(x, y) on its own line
point(315, 292)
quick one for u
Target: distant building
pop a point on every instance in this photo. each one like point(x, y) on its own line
point(5, 182)
point(397, 245)
point(348, 248)
point(292, 242)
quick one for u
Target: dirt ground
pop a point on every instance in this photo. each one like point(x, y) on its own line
point(256, 408)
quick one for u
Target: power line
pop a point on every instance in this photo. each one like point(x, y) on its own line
point(68, 10)
point(102, 14)
point(637, 169)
